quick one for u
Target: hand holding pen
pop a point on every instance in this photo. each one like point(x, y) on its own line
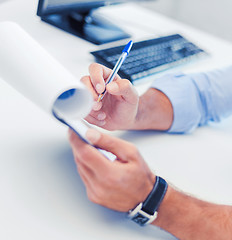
point(116, 68)
point(120, 105)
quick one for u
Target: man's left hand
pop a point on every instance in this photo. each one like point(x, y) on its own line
point(118, 185)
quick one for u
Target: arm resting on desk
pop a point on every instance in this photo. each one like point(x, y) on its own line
point(154, 111)
point(197, 98)
point(189, 218)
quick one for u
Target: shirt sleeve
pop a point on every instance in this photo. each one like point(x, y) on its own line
point(197, 98)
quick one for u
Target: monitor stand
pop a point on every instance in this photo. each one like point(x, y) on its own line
point(89, 26)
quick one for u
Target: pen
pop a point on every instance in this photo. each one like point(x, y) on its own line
point(116, 68)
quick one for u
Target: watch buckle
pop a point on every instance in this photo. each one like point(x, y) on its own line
point(141, 217)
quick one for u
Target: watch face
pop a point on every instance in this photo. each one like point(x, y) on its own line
point(140, 219)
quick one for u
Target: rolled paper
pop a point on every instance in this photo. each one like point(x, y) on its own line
point(31, 70)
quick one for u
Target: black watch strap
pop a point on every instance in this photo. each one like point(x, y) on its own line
point(146, 212)
point(154, 199)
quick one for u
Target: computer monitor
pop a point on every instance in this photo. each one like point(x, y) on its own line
point(79, 18)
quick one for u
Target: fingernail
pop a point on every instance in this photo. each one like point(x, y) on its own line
point(113, 87)
point(93, 135)
point(99, 88)
point(101, 116)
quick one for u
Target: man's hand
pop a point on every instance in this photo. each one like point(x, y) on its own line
point(118, 185)
point(119, 107)
point(121, 185)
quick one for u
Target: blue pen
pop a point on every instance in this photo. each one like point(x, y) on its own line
point(116, 68)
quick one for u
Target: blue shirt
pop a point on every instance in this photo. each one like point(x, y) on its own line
point(197, 98)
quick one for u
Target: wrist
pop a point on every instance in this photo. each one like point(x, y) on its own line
point(154, 111)
point(146, 212)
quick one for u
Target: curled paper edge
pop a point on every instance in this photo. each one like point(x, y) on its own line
point(32, 71)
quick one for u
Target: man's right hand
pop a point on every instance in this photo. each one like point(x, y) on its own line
point(119, 107)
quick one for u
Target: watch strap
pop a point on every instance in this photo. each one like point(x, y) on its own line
point(146, 212)
point(154, 199)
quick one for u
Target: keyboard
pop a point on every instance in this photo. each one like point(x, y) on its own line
point(151, 56)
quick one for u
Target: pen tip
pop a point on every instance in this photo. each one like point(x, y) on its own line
point(99, 99)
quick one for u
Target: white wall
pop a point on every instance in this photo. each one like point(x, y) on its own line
point(214, 16)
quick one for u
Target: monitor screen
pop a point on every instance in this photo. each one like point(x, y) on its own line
point(56, 6)
point(79, 18)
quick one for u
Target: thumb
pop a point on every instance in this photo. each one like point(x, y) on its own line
point(124, 88)
point(122, 149)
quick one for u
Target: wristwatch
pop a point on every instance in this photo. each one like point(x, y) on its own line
point(146, 212)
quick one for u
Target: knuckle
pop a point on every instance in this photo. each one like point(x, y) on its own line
point(84, 152)
point(93, 66)
point(126, 84)
point(92, 197)
point(84, 79)
point(99, 195)
point(87, 82)
point(132, 151)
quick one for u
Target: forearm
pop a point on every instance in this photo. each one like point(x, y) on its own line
point(197, 98)
point(154, 111)
point(188, 218)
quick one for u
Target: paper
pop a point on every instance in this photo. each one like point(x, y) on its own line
point(28, 68)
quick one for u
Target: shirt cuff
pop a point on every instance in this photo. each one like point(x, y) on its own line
point(185, 101)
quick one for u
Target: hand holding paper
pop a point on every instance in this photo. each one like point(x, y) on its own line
point(28, 68)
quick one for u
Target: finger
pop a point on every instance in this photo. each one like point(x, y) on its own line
point(87, 82)
point(98, 115)
point(83, 174)
point(97, 106)
point(88, 155)
point(98, 75)
point(86, 174)
point(92, 120)
point(124, 88)
point(90, 186)
point(122, 149)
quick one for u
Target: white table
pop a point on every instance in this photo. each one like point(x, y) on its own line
point(42, 196)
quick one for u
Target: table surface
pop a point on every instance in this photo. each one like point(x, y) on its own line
point(42, 196)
